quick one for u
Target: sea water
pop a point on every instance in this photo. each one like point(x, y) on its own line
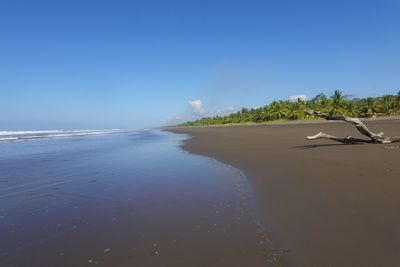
point(127, 198)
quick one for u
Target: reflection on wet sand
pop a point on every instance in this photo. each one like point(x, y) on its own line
point(126, 200)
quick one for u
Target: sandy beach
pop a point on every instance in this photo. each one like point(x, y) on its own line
point(125, 199)
point(325, 204)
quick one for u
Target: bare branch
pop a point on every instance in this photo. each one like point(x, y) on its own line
point(375, 138)
point(347, 140)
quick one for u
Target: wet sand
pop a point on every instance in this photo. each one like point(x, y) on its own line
point(324, 203)
point(133, 199)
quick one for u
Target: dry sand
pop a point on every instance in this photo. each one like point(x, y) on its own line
point(327, 204)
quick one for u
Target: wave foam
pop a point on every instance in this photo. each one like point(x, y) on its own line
point(9, 136)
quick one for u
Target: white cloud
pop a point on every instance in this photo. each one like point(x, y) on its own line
point(196, 107)
point(294, 98)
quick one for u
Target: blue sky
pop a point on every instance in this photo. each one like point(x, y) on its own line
point(126, 64)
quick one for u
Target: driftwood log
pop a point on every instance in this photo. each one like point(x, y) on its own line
point(374, 138)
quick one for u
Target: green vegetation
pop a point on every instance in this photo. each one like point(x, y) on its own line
point(338, 103)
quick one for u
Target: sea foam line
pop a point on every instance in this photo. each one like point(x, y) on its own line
point(10, 136)
point(54, 131)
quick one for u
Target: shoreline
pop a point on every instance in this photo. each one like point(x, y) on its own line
point(126, 200)
point(284, 122)
point(325, 203)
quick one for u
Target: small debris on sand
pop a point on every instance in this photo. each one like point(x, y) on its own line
point(392, 147)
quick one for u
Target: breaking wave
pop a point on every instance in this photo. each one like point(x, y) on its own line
point(11, 136)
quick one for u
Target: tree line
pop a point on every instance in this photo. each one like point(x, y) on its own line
point(337, 103)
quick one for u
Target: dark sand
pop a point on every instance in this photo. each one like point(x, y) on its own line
point(131, 199)
point(326, 204)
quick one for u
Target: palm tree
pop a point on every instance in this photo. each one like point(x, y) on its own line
point(255, 115)
point(369, 108)
point(278, 110)
point(266, 113)
point(352, 109)
point(320, 99)
point(296, 110)
point(397, 103)
point(387, 105)
point(337, 103)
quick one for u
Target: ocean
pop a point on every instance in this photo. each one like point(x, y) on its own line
point(123, 198)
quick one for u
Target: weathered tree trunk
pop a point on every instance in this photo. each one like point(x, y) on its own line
point(379, 138)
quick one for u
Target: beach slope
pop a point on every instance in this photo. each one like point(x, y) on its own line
point(325, 203)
